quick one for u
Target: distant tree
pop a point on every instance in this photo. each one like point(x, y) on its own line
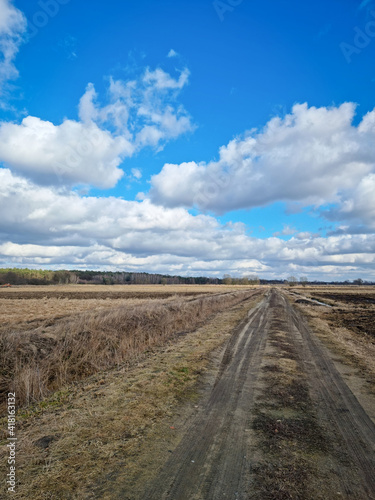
point(254, 280)
point(11, 278)
point(358, 281)
point(303, 280)
point(227, 279)
point(63, 277)
point(292, 281)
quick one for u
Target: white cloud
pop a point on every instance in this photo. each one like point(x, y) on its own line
point(90, 151)
point(137, 173)
point(287, 231)
point(311, 156)
point(162, 80)
point(12, 27)
point(70, 153)
point(141, 196)
point(172, 53)
point(306, 235)
point(144, 111)
point(357, 206)
point(88, 111)
point(46, 226)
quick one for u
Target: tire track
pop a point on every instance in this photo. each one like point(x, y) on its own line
point(213, 460)
point(338, 407)
point(210, 460)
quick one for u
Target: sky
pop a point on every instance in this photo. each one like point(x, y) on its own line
point(194, 137)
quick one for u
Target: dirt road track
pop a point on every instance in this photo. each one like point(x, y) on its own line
point(213, 460)
point(338, 408)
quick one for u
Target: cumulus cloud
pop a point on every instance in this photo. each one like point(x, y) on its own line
point(149, 101)
point(161, 80)
point(357, 207)
point(49, 227)
point(145, 109)
point(311, 156)
point(70, 153)
point(90, 151)
point(12, 28)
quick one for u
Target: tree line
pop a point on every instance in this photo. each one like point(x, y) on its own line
point(16, 276)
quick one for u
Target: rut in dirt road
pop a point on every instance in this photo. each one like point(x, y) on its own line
point(339, 411)
point(209, 461)
point(214, 459)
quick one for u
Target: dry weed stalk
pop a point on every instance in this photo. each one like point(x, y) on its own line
point(36, 362)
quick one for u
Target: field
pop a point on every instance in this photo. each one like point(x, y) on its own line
point(206, 392)
point(57, 335)
point(22, 305)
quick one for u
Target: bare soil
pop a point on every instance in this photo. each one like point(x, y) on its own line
point(359, 321)
point(350, 298)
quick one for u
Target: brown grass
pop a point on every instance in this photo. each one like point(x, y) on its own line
point(124, 289)
point(36, 362)
point(106, 436)
point(27, 314)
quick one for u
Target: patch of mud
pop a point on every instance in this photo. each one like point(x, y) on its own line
point(349, 298)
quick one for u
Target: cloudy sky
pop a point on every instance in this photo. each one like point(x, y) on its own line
point(189, 137)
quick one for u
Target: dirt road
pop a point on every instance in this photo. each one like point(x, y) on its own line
point(219, 452)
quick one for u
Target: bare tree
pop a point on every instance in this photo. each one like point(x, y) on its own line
point(292, 281)
point(303, 280)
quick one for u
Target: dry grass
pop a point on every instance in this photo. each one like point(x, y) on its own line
point(36, 362)
point(106, 436)
point(27, 307)
point(25, 313)
point(126, 289)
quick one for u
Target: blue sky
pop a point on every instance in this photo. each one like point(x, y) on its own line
point(188, 137)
